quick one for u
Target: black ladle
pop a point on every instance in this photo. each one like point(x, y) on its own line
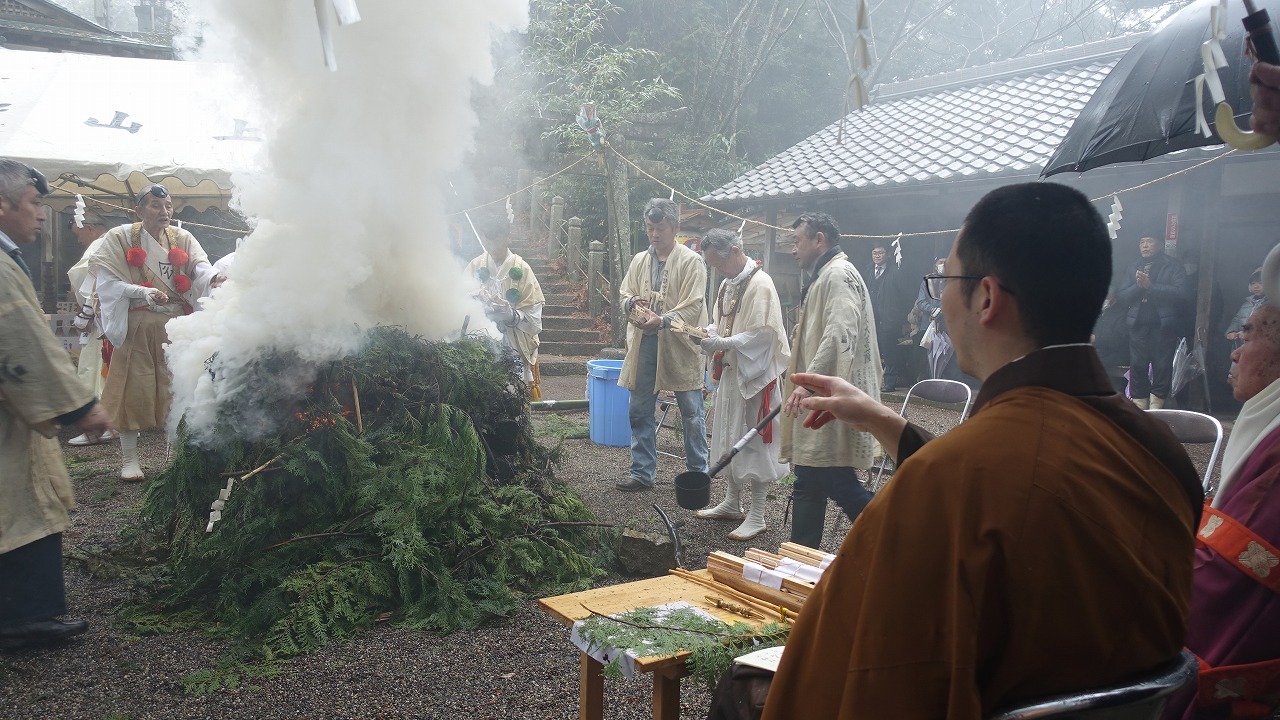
point(693, 488)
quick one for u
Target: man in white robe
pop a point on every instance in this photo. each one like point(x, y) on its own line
point(748, 347)
point(89, 365)
point(513, 300)
point(146, 273)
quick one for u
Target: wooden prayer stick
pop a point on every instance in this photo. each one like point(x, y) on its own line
point(770, 610)
point(355, 394)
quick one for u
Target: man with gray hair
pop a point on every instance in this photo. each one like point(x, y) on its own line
point(748, 347)
point(145, 274)
point(39, 392)
point(663, 284)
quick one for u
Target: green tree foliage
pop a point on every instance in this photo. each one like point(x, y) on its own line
point(443, 512)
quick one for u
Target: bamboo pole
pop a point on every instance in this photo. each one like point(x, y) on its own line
point(355, 395)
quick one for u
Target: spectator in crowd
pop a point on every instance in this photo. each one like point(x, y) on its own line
point(889, 303)
point(1255, 298)
point(1153, 289)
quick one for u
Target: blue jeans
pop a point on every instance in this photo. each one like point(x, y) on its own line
point(644, 425)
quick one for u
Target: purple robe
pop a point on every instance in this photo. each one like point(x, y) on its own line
point(1235, 620)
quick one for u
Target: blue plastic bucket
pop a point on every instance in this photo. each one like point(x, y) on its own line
point(608, 404)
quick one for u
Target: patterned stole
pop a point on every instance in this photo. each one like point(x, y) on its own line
point(1241, 686)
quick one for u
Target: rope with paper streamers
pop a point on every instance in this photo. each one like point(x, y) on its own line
point(79, 212)
point(507, 198)
point(898, 236)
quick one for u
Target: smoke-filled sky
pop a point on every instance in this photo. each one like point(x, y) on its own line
point(350, 227)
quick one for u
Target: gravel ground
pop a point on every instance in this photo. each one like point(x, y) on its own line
point(517, 667)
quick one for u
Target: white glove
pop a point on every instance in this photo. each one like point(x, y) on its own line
point(712, 330)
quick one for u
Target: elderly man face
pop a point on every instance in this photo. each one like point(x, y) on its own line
point(155, 212)
point(1148, 247)
point(1256, 363)
point(21, 220)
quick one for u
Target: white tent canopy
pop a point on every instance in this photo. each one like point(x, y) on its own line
point(108, 126)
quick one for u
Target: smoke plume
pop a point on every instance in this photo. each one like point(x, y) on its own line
point(348, 210)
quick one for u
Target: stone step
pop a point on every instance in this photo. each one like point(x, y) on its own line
point(570, 348)
point(557, 287)
point(562, 365)
point(572, 335)
point(561, 300)
point(566, 322)
point(557, 310)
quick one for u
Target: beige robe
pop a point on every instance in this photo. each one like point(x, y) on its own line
point(37, 384)
point(747, 371)
point(682, 294)
point(523, 336)
point(137, 389)
point(89, 364)
point(835, 335)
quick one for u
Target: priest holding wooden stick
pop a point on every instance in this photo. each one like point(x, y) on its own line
point(748, 347)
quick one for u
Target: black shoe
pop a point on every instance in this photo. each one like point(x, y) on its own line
point(632, 485)
point(41, 632)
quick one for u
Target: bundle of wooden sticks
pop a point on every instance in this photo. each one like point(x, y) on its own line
point(785, 578)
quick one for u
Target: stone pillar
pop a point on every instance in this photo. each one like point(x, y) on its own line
point(535, 208)
point(556, 227)
point(573, 251)
point(596, 283)
point(523, 179)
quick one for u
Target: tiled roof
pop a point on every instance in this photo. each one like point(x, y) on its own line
point(1006, 121)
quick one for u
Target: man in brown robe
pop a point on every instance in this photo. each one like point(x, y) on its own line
point(1044, 545)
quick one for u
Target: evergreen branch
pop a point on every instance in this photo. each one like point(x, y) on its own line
point(489, 545)
point(311, 537)
point(667, 628)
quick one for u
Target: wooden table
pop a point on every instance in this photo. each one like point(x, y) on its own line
point(668, 669)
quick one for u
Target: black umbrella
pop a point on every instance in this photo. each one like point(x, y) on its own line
point(1146, 106)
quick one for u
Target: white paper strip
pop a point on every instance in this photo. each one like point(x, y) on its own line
point(799, 570)
point(347, 11)
point(759, 574)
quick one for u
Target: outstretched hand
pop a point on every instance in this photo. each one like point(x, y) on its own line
point(834, 398)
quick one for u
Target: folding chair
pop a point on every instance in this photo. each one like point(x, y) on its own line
point(936, 390)
point(666, 401)
point(1193, 428)
point(1143, 698)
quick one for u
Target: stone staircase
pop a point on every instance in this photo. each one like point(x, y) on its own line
point(569, 338)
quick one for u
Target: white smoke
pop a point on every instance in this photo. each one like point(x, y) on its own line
point(350, 229)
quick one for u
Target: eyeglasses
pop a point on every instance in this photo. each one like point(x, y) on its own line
point(935, 282)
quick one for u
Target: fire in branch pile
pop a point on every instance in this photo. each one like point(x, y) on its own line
point(402, 484)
